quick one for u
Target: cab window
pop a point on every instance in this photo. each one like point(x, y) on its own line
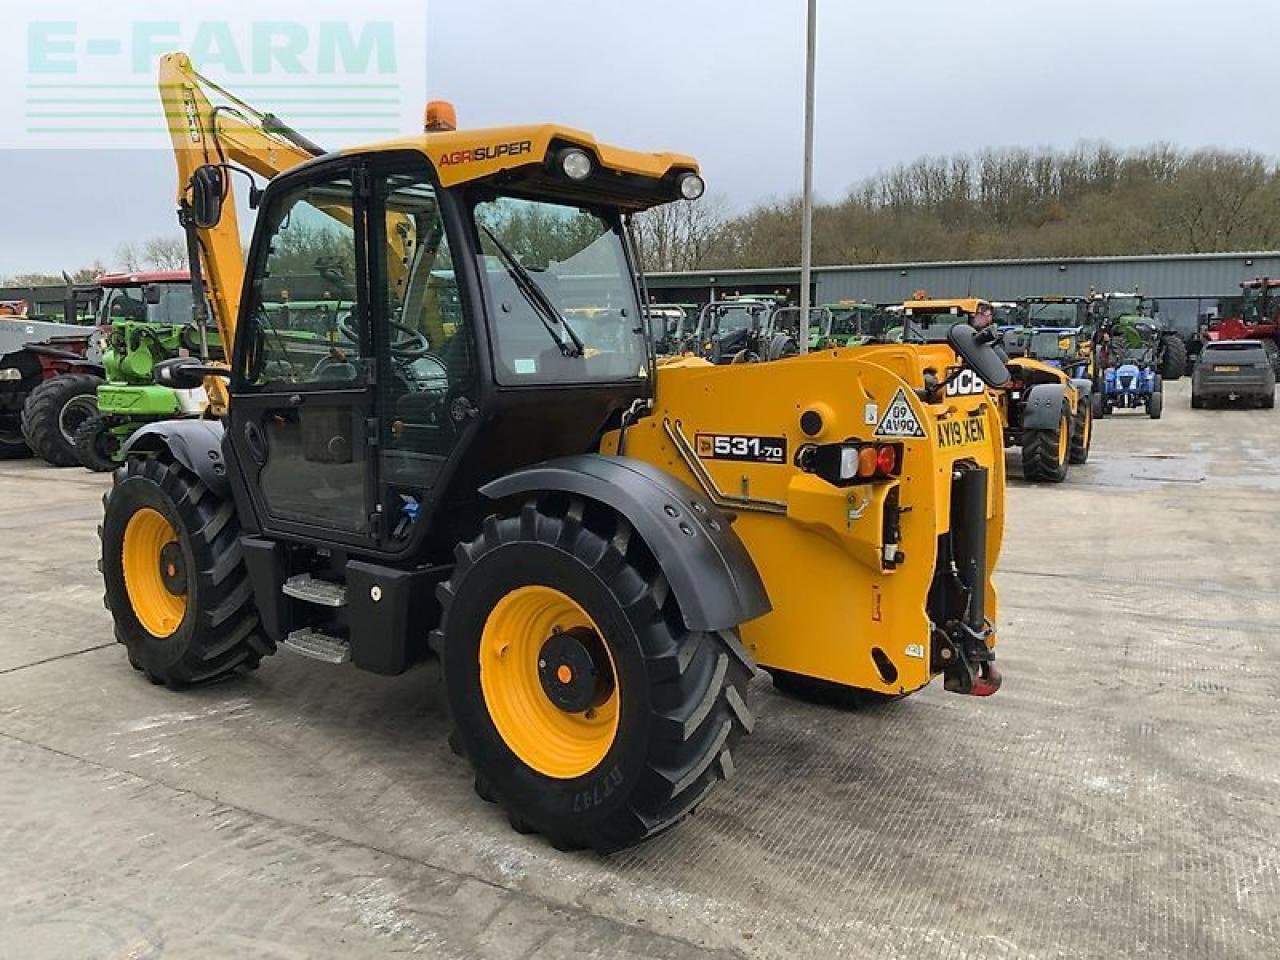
point(306, 313)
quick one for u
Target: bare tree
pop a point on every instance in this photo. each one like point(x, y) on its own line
point(679, 236)
point(155, 253)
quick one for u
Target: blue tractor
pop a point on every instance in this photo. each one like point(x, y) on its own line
point(1130, 377)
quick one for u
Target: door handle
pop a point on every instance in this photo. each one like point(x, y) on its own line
point(295, 400)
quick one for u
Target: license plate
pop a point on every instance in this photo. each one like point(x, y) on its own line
point(961, 433)
point(1229, 368)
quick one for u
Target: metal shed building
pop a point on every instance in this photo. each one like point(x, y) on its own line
point(1187, 285)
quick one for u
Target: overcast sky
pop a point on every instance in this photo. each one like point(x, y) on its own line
point(723, 80)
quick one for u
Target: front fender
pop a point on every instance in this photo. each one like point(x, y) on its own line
point(706, 565)
point(1083, 387)
point(1044, 406)
point(196, 444)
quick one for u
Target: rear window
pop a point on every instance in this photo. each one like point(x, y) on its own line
point(1240, 347)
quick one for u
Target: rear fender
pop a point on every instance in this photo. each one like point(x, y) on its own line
point(196, 444)
point(706, 565)
point(1044, 406)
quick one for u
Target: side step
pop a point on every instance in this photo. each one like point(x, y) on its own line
point(324, 593)
point(318, 646)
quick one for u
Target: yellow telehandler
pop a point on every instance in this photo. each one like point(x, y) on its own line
point(443, 434)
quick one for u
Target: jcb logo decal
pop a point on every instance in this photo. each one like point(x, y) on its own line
point(491, 152)
point(966, 384)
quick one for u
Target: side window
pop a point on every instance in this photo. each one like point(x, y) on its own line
point(425, 343)
point(306, 312)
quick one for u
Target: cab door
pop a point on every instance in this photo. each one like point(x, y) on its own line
point(303, 392)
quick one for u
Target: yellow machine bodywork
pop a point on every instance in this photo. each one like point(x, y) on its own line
point(820, 548)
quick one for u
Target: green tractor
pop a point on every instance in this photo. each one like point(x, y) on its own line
point(130, 397)
point(855, 323)
point(1121, 313)
point(147, 316)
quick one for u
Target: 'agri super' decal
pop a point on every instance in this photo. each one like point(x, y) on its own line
point(736, 446)
point(491, 152)
point(899, 419)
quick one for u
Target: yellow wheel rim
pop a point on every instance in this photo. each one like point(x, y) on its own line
point(1088, 428)
point(153, 573)
point(1064, 439)
point(515, 679)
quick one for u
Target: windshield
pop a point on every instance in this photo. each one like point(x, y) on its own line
point(561, 297)
point(130, 303)
point(1052, 346)
point(931, 327)
point(1052, 315)
point(731, 318)
point(1118, 307)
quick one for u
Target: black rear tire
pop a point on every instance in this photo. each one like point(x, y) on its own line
point(1269, 401)
point(96, 446)
point(53, 412)
point(1042, 461)
point(1173, 365)
point(1197, 401)
point(681, 693)
point(220, 629)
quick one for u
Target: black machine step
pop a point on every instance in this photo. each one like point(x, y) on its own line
point(318, 646)
point(325, 593)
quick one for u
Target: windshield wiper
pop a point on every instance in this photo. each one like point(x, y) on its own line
point(547, 312)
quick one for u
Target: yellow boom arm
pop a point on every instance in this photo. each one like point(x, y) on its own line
point(230, 133)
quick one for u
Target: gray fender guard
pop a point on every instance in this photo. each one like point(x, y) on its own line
point(709, 570)
point(196, 444)
point(1044, 406)
point(1085, 387)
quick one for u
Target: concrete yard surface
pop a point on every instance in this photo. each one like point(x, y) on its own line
point(1118, 798)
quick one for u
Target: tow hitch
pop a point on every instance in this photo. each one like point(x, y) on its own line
point(963, 644)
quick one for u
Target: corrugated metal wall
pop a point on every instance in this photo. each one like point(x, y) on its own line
point(1200, 275)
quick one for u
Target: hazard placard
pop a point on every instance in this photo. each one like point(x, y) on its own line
point(899, 419)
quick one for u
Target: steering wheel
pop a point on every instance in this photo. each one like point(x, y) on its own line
point(412, 346)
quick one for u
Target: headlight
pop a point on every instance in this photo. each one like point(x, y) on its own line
point(692, 186)
point(576, 164)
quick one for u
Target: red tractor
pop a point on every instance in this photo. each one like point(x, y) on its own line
point(50, 372)
point(1259, 318)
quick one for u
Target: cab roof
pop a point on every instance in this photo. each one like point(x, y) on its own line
point(143, 276)
point(641, 179)
point(965, 305)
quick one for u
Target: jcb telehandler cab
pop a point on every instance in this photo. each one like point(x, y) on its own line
point(597, 549)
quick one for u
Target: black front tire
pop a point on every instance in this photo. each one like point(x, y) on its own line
point(220, 630)
point(1197, 401)
point(1155, 405)
point(52, 413)
point(1082, 434)
point(682, 693)
point(12, 444)
point(96, 446)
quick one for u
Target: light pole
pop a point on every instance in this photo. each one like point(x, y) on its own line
point(806, 203)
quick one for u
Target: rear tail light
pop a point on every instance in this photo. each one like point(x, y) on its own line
point(844, 464)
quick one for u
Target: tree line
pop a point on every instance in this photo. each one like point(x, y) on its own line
point(1091, 200)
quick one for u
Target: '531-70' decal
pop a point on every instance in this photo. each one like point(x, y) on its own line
point(737, 446)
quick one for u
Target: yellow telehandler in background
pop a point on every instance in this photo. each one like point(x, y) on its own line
point(470, 453)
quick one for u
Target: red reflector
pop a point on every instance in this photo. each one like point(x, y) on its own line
point(886, 460)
